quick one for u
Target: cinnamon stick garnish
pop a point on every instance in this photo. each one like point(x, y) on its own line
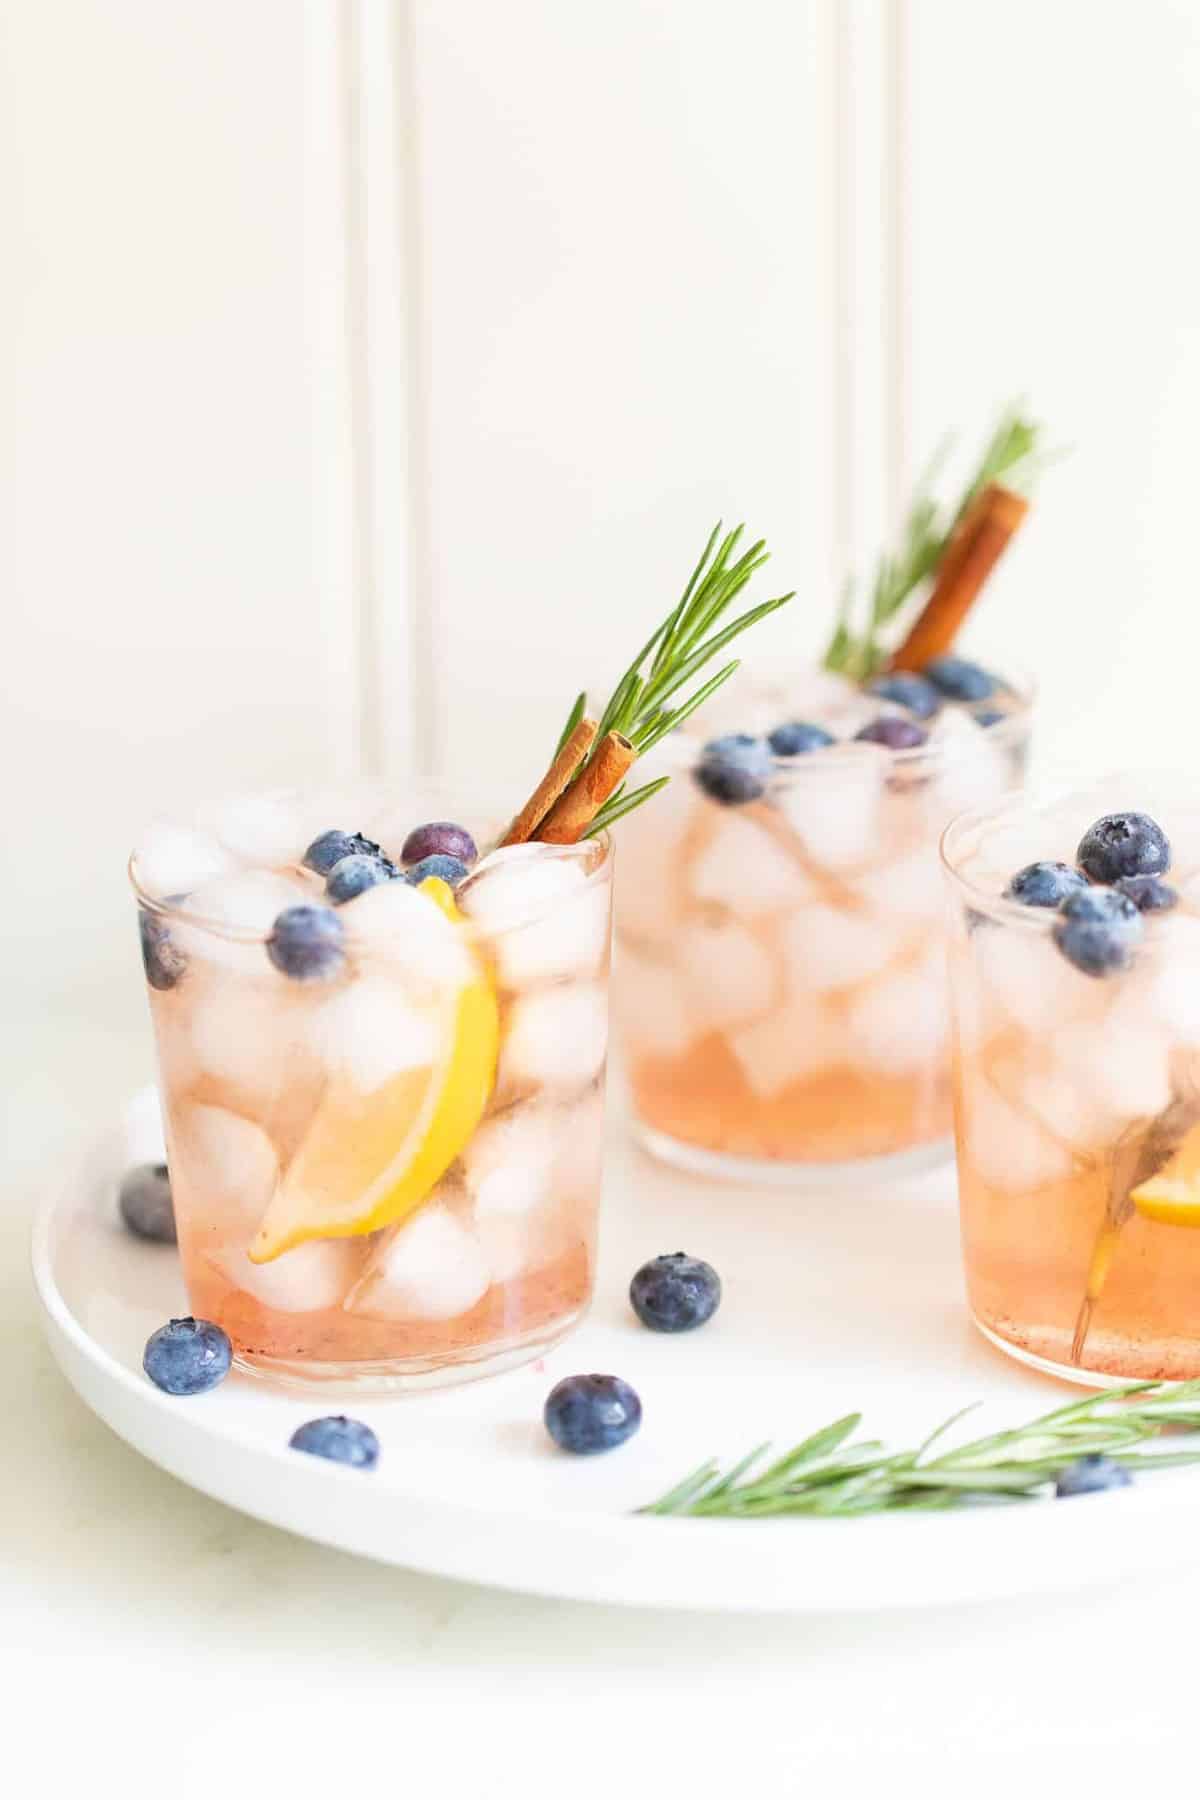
point(553, 784)
point(574, 811)
point(972, 553)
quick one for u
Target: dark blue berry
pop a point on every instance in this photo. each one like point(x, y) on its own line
point(163, 960)
point(1124, 844)
point(354, 875)
point(675, 1292)
point(797, 739)
point(450, 869)
point(306, 943)
point(187, 1356)
point(959, 679)
point(734, 769)
point(1098, 930)
point(1044, 884)
point(1091, 1475)
point(441, 837)
point(893, 732)
point(338, 1439)
point(987, 716)
point(145, 1202)
point(912, 692)
point(589, 1413)
point(329, 849)
point(1149, 893)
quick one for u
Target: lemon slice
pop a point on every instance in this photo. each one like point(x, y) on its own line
point(370, 1159)
point(1172, 1197)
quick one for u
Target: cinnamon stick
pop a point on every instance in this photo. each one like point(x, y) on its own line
point(574, 811)
point(968, 560)
point(552, 785)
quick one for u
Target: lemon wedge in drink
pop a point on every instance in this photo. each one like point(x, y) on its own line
point(1172, 1197)
point(369, 1159)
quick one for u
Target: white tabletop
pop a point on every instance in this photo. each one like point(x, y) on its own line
point(153, 1642)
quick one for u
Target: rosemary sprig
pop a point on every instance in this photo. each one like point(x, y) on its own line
point(640, 705)
point(830, 1476)
point(1013, 455)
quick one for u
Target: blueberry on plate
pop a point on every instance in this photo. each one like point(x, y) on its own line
point(1044, 884)
point(1091, 1475)
point(1098, 930)
point(1149, 893)
point(306, 943)
point(441, 837)
point(144, 1199)
point(354, 875)
point(957, 679)
point(450, 869)
point(338, 1439)
point(797, 738)
point(162, 959)
point(187, 1356)
point(1124, 844)
point(589, 1413)
point(734, 769)
point(329, 849)
point(675, 1292)
point(912, 692)
point(893, 732)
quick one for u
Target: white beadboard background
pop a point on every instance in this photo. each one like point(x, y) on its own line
point(373, 369)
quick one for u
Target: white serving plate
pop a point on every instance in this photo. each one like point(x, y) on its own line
point(833, 1302)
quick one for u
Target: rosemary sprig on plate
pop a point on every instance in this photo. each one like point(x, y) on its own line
point(832, 1476)
point(1012, 455)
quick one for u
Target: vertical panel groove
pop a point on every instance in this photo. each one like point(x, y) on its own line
point(898, 428)
point(842, 164)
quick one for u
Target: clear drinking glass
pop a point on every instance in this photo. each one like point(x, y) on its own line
point(780, 985)
point(447, 1065)
point(1071, 1091)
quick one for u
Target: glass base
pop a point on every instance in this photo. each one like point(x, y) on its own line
point(761, 1170)
point(1080, 1377)
point(409, 1374)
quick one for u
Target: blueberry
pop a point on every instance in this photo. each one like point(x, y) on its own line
point(306, 943)
point(1149, 893)
point(589, 1413)
point(734, 769)
point(1124, 844)
point(912, 692)
point(441, 837)
point(797, 739)
point(162, 959)
point(675, 1292)
point(893, 733)
point(339, 1440)
point(987, 716)
point(1098, 930)
point(1044, 884)
point(328, 849)
point(1091, 1475)
point(354, 875)
point(959, 679)
point(450, 869)
point(144, 1198)
point(187, 1356)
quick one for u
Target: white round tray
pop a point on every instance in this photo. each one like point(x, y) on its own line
point(833, 1302)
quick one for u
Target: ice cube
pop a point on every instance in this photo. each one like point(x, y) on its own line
point(248, 1036)
point(825, 947)
point(1029, 980)
point(657, 844)
point(570, 938)
point(834, 807)
point(729, 976)
point(226, 1162)
point(1007, 1148)
point(370, 1031)
point(790, 1043)
point(1170, 978)
point(910, 886)
point(239, 910)
point(899, 1024)
point(522, 884)
point(409, 934)
point(507, 1166)
point(971, 770)
point(307, 1279)
point(651, 1006)
point(429, 1267)
point(742, 867)
point(555, 1037)
point(265, 829)
point(1121, 1062)
point(174, 859)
